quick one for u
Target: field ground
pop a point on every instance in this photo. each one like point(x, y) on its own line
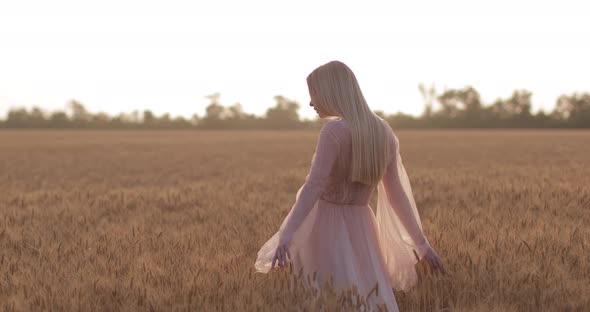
point(172, 220)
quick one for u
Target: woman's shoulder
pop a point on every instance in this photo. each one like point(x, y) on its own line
point(336, 124)
point(336, 127)
point(335, 130)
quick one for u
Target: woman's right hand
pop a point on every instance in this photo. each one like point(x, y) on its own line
point(282, 256)
point(434, 261)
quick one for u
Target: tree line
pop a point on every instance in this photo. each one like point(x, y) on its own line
point(457, 108)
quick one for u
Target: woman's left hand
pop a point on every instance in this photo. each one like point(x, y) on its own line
point(282, 256)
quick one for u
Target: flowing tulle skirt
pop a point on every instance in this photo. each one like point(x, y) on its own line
point(340, 242)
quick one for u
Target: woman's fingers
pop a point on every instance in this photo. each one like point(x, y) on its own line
point(432, 265)
point(281, 257)
point(286, 256)
point(437, 265)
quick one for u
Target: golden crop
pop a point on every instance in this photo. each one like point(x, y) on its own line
point(172, 220)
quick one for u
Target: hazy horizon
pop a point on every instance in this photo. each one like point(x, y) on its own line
point(118, 56)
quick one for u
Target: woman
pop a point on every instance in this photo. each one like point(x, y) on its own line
point(331, 231)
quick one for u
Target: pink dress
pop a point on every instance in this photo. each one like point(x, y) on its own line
point(332, 231)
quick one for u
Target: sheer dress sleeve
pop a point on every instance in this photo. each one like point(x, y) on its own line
point(326, 152)
point(402, 205)
point(398, 223)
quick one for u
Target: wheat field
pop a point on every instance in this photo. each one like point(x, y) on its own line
point(172, 220)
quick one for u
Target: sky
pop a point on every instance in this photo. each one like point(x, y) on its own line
point(166, 56)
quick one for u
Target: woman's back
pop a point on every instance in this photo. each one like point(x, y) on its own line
point(339, 187)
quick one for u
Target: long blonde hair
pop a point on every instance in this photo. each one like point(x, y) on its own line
point(336, 92)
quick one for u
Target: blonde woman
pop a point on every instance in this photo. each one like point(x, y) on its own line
point(331, 231)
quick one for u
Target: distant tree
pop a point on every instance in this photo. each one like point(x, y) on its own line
point(450, 102)
point(17, 118)
point(37, 118)
point(124, 120)
point(214, 113)
point(22, 118)
point(544, 120)
point(519, 103)
point(195, 120)
point(180, 123)
point(237, 118)
point(575, 109)
point(429, 96)
point(148, 118)
point(462, 105)
point(514, 111)
point(80, 116)
point(401, 120)
point(458, 108)
point(100, 120)
point(283, 114)
point(501, 111)
point(236, 112)
point(134, 117)
point(164, 121)
point(59, 119)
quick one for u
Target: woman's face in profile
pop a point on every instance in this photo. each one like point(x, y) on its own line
point(320, 114)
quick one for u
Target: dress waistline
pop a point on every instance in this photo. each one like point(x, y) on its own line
point(331, 203)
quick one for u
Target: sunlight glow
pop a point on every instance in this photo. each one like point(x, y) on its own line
point(166, 56)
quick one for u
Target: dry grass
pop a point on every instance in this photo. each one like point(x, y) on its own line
point(173, 220)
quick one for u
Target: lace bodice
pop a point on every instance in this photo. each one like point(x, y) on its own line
point(338, 186)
